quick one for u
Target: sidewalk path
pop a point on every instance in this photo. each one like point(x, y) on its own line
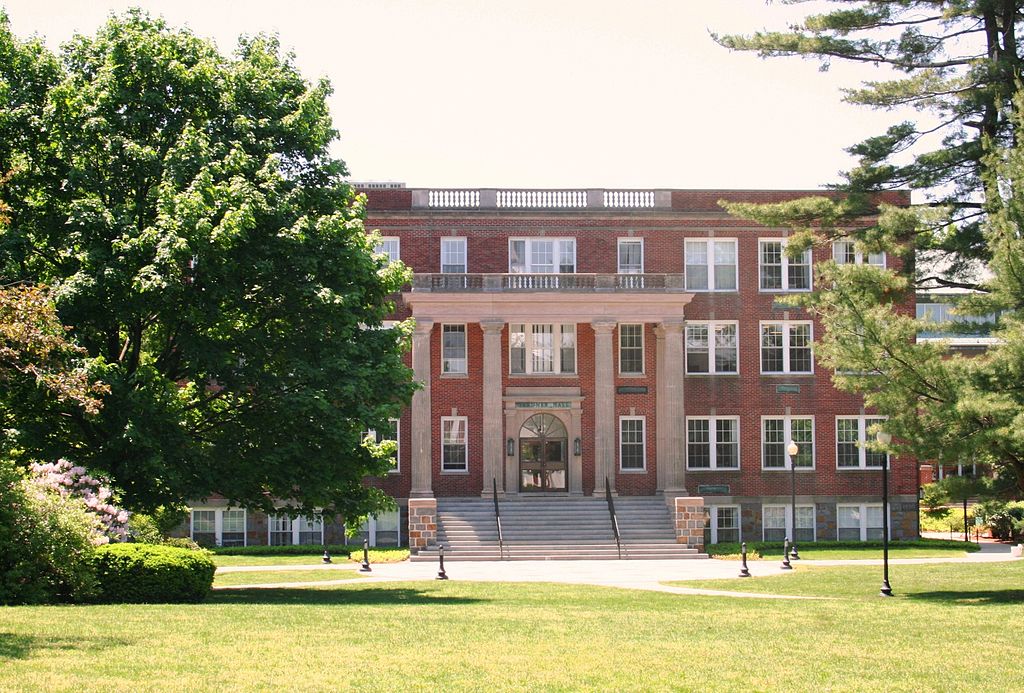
point(641, 575)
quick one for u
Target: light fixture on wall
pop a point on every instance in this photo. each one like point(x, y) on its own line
point(577, 447)
point(510, 447)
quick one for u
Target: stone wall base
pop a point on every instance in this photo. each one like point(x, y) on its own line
point(689, 521)
point(422, 523)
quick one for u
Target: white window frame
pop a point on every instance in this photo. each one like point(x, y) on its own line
point(384, 247)
point(713, 442)
point(529, 241)
point(712, 519)
point(642, 347)
point(370, 527)
point(808, 255)
point(456, 241)
point(464, 422)
point(863, 510)
point(643, 444)
point(618, 255)
point(709, 253)
point(862, 440)
point(557, 337)
point(449, 366)
point(218, 524)
point(859, 257)
point(397, 425)
point(788, 520)
point(788, 436)
point(295, 529)
point(712, 327)
point(787, 337)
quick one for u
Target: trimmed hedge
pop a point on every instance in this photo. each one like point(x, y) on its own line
point(306, 550)
point(148, 573)
point(770, 548)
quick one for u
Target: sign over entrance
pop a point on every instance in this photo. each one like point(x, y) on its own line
point(543, 405)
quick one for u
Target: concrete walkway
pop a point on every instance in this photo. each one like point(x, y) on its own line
point(641, 575)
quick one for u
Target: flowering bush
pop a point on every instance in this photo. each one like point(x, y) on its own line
point(72, 481)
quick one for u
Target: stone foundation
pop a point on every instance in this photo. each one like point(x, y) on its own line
point(422, 523)
point(689, 520)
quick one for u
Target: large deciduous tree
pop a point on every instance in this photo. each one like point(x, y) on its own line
point(199, 239)
point(957, 62)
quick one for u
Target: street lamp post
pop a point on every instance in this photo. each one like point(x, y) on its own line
point(884, 438)
point(792, 449)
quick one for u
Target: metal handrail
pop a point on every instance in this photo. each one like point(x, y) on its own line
point(611, 512)
point(497, 520)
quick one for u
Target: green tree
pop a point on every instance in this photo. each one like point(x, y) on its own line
point(200, 240)
point(955, 61)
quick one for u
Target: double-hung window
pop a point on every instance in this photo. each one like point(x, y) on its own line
point(632, 446)
point(390, 246)
point(301, 531)
point(454, 444)
point(786, 347)
point(631, 256)
point(542, 255)
point(852, 440)
point(780, 272)
point(859, 522)
point(777, 521)
point(713, 442)
point(631, 348)
point(536, 349)
point(453, 255)
point(846, 253)
point(776, 432)
point(453, 349)
point(710, 264)
point(721, 524)
point(381, 530)
point(219, 527)
point(711, 347)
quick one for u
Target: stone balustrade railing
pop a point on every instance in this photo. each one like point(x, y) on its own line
point(493, 198)
point(547, 282)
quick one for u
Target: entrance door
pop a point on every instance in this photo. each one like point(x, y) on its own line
point(543, 454)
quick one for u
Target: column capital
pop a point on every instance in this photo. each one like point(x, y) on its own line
point(492, 325)
point(603, 325)
point(669, 326)
point(423, 326)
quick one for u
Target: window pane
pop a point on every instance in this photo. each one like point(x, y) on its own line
point(453, 348)
point(774, 436)
point(728, 524)
point(800, 271)
point(696, 265)
point(631, 352)
point(567, 352)
point(632, 443)
point(847, 434)
point(727, 450)
point(631, 257)
point(453, 255)
point(567, 256)
point(698, 448)
point(726, 352)
point(772, 359)
point(453, 437)
point(848, 518)
point(204, 521)
point(517, 256)
point(844, 252)
point(873, 458)
point(802, 431)
point(771, 265)
point(725, 265)
point(800, 348)
point(542, 256)
point(517, 348)
point(542, 352)
point(697, 349)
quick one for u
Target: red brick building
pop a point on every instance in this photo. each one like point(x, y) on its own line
point(566, 337)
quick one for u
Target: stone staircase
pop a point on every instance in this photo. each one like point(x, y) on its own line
point(555, 528)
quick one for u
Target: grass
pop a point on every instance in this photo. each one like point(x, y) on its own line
point(271, 576)
point(378, 555)
point(827, 551)
point(480, 636)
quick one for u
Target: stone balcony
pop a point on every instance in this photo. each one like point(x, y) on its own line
point(576, 282)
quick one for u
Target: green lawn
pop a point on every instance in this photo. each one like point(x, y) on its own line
point(822, 551)
point(482, 636)
point(381, 555)
point(271, 576)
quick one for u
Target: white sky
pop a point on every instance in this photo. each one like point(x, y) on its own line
point(541, 93)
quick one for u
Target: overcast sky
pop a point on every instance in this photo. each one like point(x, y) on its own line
point(541, 93)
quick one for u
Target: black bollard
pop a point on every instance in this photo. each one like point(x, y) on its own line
point(785, 555)
point(744, 571)
point(441, 575)
point(327, 556)
point(365, 567)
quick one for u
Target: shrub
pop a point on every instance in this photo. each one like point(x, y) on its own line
point(1006, 519)
point(144, 573)
point(46, 543)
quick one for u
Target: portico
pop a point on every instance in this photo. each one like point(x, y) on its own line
point(581, 402)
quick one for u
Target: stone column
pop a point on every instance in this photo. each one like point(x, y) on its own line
point(671, 439)
point(422, 523)
point(421, 412)
point(604, 406)
point(689, 520)
point(493, 448)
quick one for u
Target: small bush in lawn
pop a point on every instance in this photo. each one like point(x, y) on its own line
point(141, 573)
